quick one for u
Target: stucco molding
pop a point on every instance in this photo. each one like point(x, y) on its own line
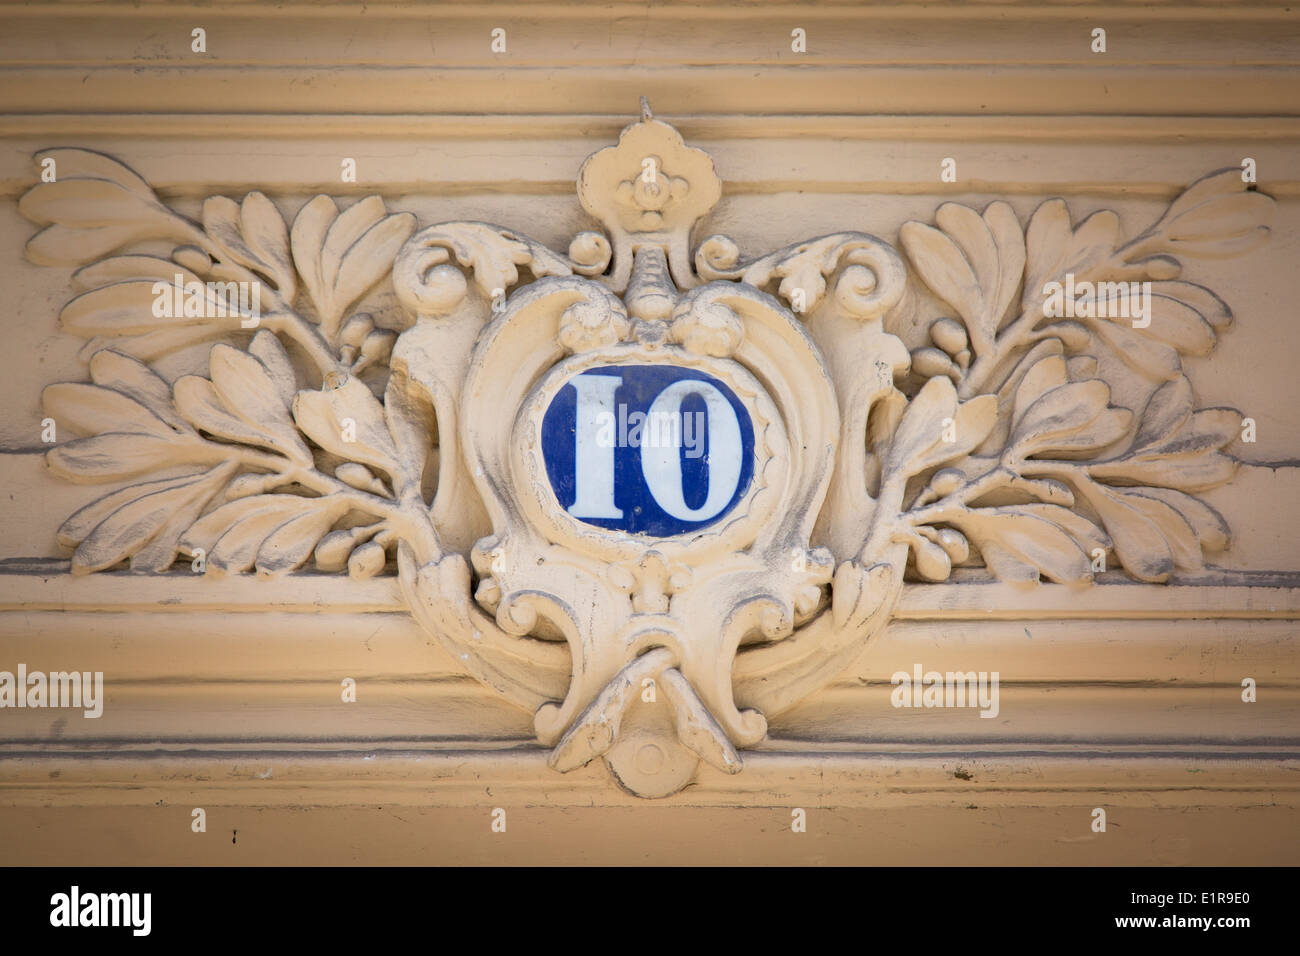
point(1042, 434)
point(418, 776)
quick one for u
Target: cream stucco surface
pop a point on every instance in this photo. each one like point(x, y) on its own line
point(224, 694)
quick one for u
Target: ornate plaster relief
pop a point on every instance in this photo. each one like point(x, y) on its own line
point(1045, 429)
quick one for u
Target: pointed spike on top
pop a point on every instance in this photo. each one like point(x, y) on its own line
point(646, 115)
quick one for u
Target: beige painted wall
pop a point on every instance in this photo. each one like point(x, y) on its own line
point(1125, 696)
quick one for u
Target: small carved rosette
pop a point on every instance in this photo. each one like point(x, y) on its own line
point(654, 498)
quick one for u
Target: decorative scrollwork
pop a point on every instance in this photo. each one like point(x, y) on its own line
point(1043, 428)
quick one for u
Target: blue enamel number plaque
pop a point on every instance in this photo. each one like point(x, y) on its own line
point(647, 449)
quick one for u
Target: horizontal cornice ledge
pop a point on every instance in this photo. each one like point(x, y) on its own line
point(924, 89)
point(36, 586)
point(918, 777)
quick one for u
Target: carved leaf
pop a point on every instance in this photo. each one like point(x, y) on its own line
point(199, 402)
point(1167, 411)
point(1181, 316)
point(127, 267)
point(1211, 529)
point(946, 271)
point(268, 350)
point(1204, 429)
point(341, 256)
point(1018, 545)
point(330, 416)
point(1046, 239)
point(345, 231)
point(240, 533)
point(126, 308)
point(1177, 448)
point(1153, 530)
point(247, 389)
point(124, 313)
point(241, 404)
point(1176, 323)
point(974, 264)
point(1069, 418)
point(113, 456)
point(307, 240)
point(77, 526)
point(143, 522)
point(1191, 473)
point(1216, 216)
point(129, 436)
point(919, 443)
point(1140, 352)
point(1085, 534)
point(1208, 305)
point(204, 533)
point(236, 550)
point(253, 234)
point(137, 381)
point(96, 205)
point(922, 422)
point(91, 410)
point(1157, 529)
point(1054, 248)
point(1138, 540)
point(293, 542)
point(150, 346)
point(1039, 378)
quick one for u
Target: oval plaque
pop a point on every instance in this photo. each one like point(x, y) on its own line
point(657, 450)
